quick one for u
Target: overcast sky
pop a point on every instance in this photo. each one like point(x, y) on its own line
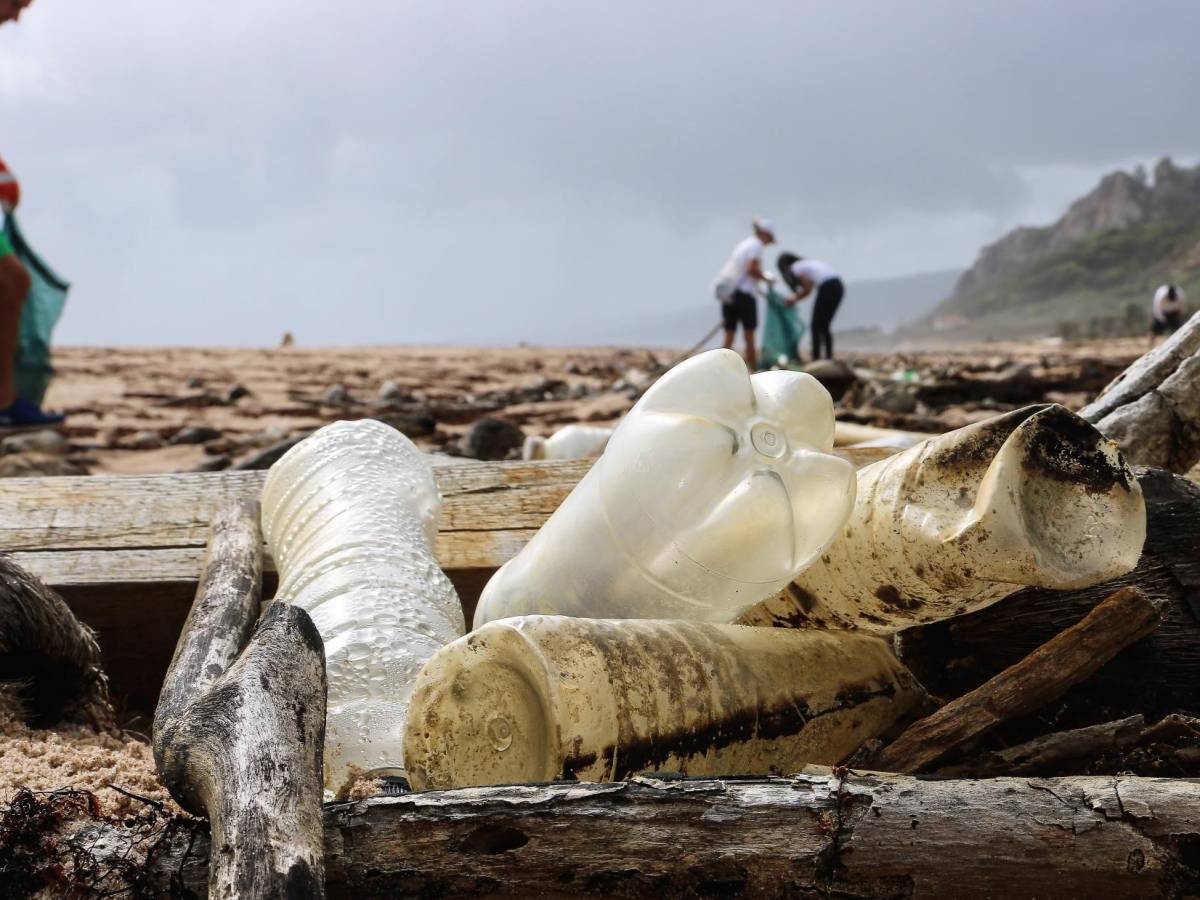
point(379, 171)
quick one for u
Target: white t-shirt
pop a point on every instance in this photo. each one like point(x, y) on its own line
point(749, 249)
point(814, 270)
point(1162, 306)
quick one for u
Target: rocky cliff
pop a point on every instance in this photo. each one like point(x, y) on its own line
point(1102, 259)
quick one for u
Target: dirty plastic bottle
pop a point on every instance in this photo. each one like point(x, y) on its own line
point(542, 698)
point(1034, 497)
point(350, 516)
point(715, 490)
point(569, 442)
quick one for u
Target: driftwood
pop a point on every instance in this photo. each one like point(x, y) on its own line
point(50, 658)
point(812, 835)
point(1050, 752)
point(1152, 409)
point(240, 725)
point(1041, 677)
point(1158, 675)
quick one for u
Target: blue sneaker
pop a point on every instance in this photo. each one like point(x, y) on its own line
point(22, 413)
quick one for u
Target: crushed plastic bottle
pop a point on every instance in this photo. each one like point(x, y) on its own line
point(350, 516)
point(713, 492)
point(1033, 497)
point(543, 698)
point(569, 442)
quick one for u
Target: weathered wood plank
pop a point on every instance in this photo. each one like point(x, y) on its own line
point(812, 835)
point(156, 525)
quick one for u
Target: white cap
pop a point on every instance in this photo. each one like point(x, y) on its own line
point(764, 225)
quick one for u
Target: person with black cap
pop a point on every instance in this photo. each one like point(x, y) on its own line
point(736, 284)
point(804, 276)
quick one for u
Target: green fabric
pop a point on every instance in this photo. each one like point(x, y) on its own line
point(781, 333)
point(6, 246)
point(41, 312)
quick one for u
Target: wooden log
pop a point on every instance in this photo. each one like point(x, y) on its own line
point(1152, 409)
point(49, 657)
point(1041, 677)
point(861, 836)
point(1049, 753)
point(1158, 675)
point(240, 726)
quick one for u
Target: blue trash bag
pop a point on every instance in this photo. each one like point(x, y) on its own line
point(41, 312)
point(782, 333)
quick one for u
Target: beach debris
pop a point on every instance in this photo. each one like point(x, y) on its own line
point(1040, 678)
point(392, 392)
point(267, 457)
point(569, 442)
point(835, 376)
point(545, 698)
point(145, 440)
point(50, 662)
point(194, 434)
point(1033, 497)
point(350, 516)
point(336, 395)
point(241, 719)
point(1152, 409)
point(44, 441)
point(491, 438)
point(39, 465)
point(713, 493)
point(237, 392)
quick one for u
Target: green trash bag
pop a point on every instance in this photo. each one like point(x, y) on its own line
point(41, 312)
point(782, 333)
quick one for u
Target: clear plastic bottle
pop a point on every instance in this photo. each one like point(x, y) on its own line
point(569, 442)
point(714, 492)
point(350, 516)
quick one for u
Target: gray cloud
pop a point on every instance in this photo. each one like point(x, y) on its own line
point(386, 171)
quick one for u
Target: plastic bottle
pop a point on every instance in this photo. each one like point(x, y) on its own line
point(715, 490)
point(543, 698)
point(1033, 497)
point(350, 516)
point(569, 442)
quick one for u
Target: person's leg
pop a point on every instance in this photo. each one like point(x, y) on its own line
point(820, 323)
point(836, 291)
point(14, 285)
point(729, 320)
point(748, 313)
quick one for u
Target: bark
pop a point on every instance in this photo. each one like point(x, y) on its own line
point(1040, 678)
point(1050, 752)
point(1158, 675)
point(1152, 409)
point(240, 727)
point(809, 836)
point(50, 658)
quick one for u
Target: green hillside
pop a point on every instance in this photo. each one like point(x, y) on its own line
point(1092, 273)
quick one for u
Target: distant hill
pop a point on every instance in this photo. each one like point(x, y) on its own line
point(1090, 273)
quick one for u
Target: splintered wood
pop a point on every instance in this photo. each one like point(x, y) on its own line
point(1044, 675)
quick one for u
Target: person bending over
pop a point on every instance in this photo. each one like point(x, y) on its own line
point(1166, 312)
point(804, 276)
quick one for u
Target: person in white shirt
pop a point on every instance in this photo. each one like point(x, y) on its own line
point(805, 276)
point(736, 285)
point(1166, 311)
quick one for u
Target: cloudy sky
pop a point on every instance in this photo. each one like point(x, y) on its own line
point(382, 171)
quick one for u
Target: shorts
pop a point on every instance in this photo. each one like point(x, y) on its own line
point(742, 307)
point(1169, 325)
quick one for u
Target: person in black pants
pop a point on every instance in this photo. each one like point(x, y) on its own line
point(805, 276)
